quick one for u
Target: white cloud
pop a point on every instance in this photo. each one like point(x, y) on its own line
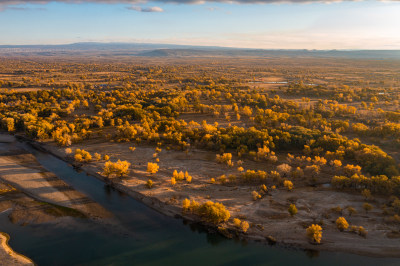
point(146, 9)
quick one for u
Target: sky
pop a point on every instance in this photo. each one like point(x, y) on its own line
point(266, 24)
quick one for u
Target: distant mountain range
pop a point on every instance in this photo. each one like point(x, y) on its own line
point(172, 50)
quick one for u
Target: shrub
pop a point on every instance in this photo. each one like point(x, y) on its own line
point(78, 157)
point(118, 168)
point(244, 226)
point(186, 204)
point(225, 158)
point(212, 212)
point(288, 184)
point(362, 232)
point(97, 156)
point(173, 181)
point(255, 195)
point(351, 211)
point(264, 188)
point(82, 156)
point(237, 222)
point(68, 151)
point(190, 206)
point(253, 176)
point(152, 168)
point(149, 183)
point(366, 194)
point(292, 209)
point(284, 169)
point(106, 157)
point(336, 163)
point(314, 233)
point(367, 207)
point(342, 224)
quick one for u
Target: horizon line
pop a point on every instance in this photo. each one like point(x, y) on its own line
point(202, 46)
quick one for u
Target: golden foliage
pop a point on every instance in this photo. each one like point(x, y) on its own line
point(342, 224)
point(314, 233)
point(152, 168)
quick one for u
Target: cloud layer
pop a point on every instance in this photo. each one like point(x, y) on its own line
point(19, 2)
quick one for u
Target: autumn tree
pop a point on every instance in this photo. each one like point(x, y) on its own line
point(314, 233)
point(118, 169)
point(152, 168)
point(341, 223)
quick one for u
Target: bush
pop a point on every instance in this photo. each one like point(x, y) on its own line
point(351, 210)
point(314, 233)
point(119, 169)
point(292, 209)
point(255, 195)
point(288, 184)
point(253, 176)
point(149, 183)
point(97, 156)
point(342, 224)
point(244, 226)
point(237, 222)
point(366, 193)
point(212, 212)
point(152, 168)
point(367, 207)
point(82, 156)
point(284, 169)
point(225, 158)
point(362, 232)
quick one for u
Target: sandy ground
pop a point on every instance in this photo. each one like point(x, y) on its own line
point(267, 217)
point(21, 170)
point(8, 256)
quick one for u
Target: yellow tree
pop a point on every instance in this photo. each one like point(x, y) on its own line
point(314, 233)
point(152, 168)
point(342, 224)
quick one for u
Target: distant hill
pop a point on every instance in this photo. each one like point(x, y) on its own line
point(172, 50)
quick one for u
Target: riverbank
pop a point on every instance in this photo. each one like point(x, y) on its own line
point(269, 219)
point(20, 169)
point(8, 256)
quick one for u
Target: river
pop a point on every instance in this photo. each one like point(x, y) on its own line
point(143, 236)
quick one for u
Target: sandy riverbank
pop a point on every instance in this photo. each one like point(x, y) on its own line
point(21, 170)
point(8, 256)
